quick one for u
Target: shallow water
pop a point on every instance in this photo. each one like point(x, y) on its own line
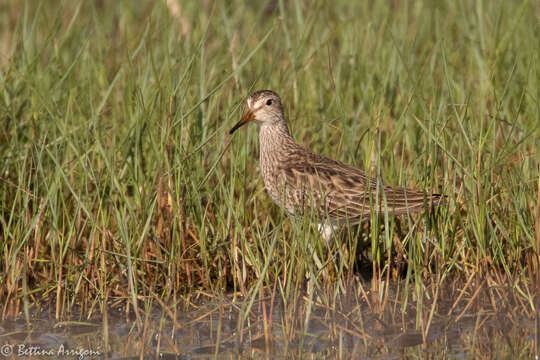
point(213, 330)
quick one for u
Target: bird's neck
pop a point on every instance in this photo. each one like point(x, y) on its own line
point(274, 140)
point(274, 135)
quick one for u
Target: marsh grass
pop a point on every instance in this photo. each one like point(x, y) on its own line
point(119, 186)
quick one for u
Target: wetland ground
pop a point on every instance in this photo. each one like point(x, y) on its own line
point(130, 220)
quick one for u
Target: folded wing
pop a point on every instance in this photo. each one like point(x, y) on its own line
point(342, 192)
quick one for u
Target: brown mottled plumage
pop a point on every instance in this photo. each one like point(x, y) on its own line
point(301, 181)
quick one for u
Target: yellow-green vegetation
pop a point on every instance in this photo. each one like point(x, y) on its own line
point(120, 186)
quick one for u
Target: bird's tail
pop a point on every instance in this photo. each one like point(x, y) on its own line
point(402, 201)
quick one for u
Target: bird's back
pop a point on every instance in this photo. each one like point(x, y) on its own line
point(302, 181)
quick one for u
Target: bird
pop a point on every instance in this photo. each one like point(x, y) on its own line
point(303, 182)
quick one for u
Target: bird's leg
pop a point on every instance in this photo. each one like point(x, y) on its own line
point(327, 230)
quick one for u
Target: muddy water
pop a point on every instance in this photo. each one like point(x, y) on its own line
point(306, 329)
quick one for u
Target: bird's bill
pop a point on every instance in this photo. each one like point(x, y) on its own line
point(247, 117)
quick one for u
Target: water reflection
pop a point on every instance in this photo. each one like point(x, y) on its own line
point(306, 329)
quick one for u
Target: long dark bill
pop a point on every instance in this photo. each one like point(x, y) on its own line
point(247, 117)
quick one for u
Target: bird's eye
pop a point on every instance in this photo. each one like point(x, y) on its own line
point(269, 102)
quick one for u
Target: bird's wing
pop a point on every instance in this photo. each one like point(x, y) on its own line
point(342, 192)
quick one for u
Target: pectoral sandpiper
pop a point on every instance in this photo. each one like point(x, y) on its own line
point(301, 181)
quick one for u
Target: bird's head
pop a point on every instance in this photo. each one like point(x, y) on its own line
point(264, 107)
